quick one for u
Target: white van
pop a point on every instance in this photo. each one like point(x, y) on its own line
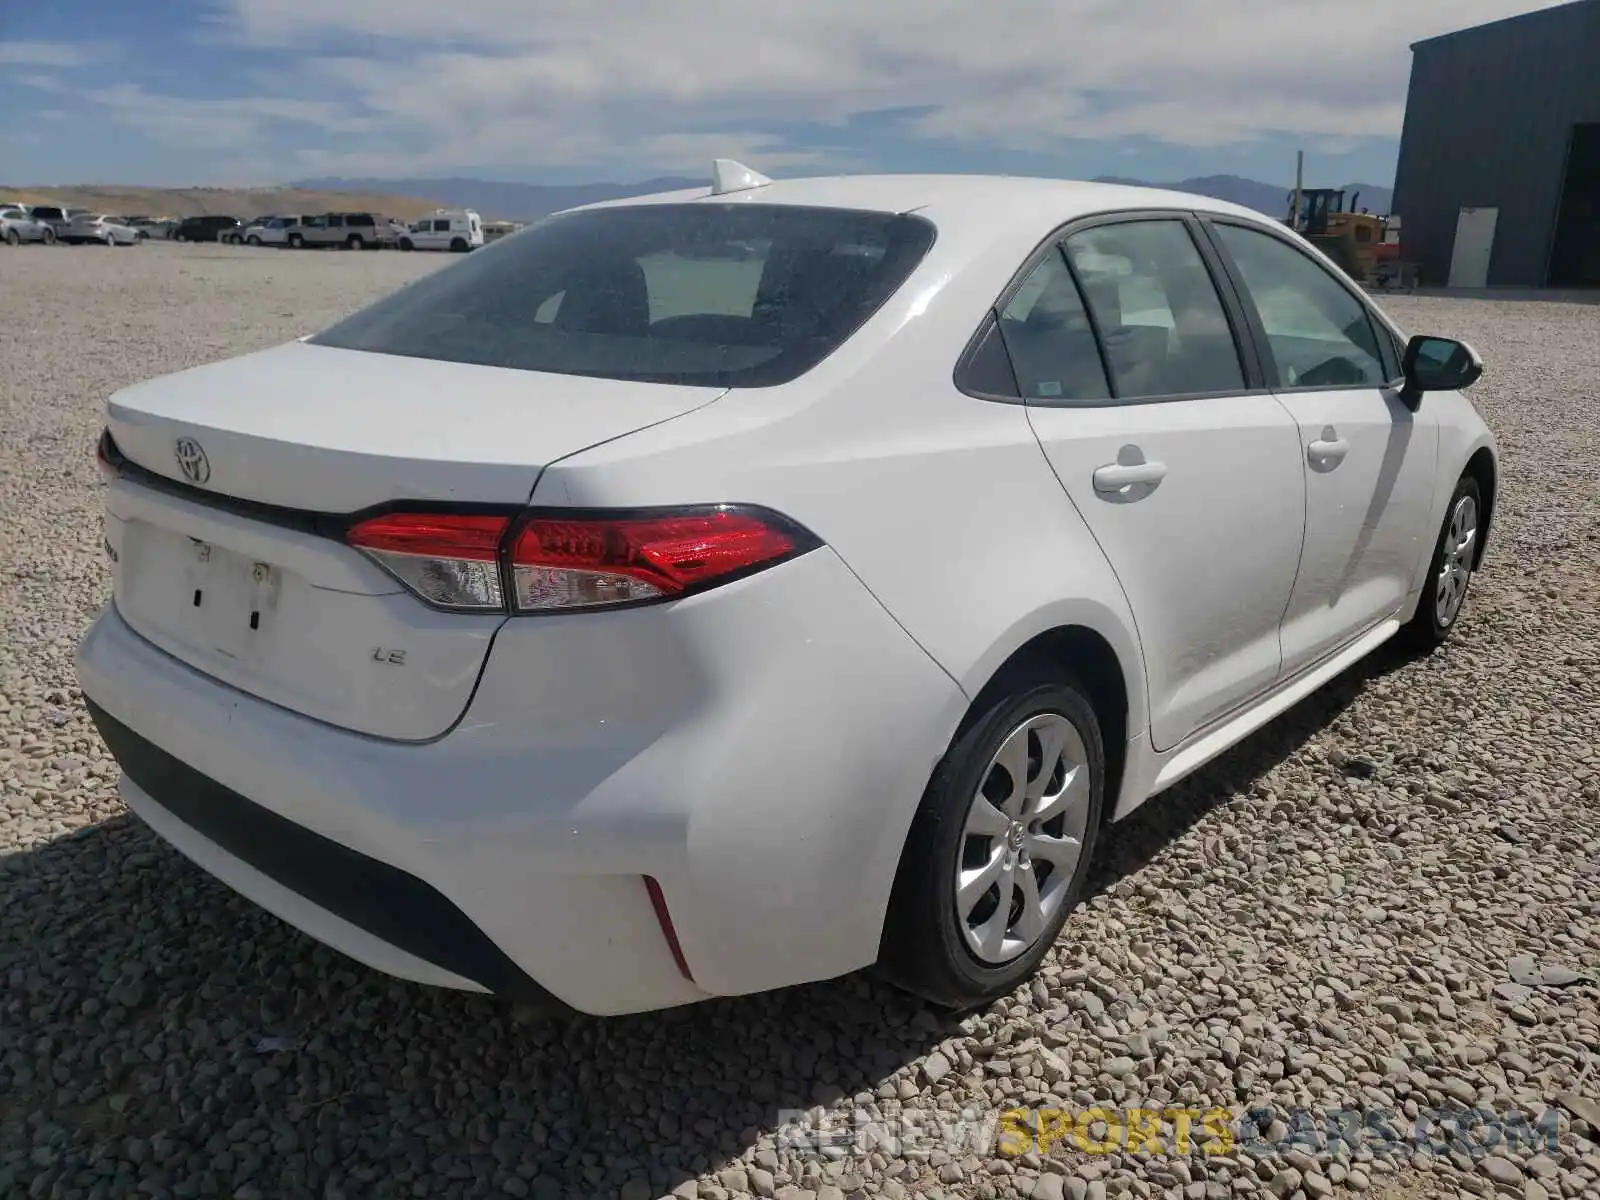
point(458, 229)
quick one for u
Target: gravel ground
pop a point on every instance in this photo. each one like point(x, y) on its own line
point(1368, 906)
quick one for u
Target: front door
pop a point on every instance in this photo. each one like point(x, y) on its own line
point(1369, 460)
point(1191, 487)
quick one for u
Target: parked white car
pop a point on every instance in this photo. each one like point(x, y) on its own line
point(151, 227)
point(459, 229)
point(274, 231)
point(96, 227)
point(791, 584)
point(248, 231)
point(18, 225)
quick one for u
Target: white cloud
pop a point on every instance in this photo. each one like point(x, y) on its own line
point(54, 54)
point(639, 85)
point(222, 123)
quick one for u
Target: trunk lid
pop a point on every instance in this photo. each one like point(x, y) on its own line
point(254, 595)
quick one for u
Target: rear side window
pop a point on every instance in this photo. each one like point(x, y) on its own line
point(1162, 323)
point(1048, 334)
point(720, 295)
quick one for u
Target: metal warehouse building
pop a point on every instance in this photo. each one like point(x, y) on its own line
point(1499, 175)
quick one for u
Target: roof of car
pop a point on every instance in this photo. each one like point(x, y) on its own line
point(954, 196)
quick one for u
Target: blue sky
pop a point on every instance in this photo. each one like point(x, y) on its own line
point(236, 92)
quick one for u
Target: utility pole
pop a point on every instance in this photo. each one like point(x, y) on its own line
point(1299, 186)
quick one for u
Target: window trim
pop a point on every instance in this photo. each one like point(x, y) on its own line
point(1252, 373)
point(1384, 334)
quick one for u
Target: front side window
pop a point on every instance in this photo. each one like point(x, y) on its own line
point(1160, 318)
point(717, 295)
point(1047, 333)
point(1319, 335)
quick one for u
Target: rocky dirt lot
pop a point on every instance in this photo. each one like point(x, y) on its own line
point(1387, 902)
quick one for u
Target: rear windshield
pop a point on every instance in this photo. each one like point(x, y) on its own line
point(721, 295)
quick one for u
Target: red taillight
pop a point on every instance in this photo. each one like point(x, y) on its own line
point(562, 562)
point(566, 563)
point(450, 559)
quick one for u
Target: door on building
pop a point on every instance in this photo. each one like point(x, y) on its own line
point(1469, 262)
point(1575, 250)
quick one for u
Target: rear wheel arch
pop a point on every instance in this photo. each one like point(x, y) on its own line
point(1481, 466)
point(1086, 656)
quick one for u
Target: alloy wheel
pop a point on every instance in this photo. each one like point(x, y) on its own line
point(1455, 563)
point(1022, 838)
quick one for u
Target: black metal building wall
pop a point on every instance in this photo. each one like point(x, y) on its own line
point(1488, 118)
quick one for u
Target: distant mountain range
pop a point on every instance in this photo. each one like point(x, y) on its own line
point(526, 201)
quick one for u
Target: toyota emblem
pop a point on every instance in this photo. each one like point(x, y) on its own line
point(192, 460)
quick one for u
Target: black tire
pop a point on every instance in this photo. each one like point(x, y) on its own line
point(13, 238)
point(923, 949)
point(459, 245)
point(1428, 627)
point(296, 242)
point(354, 242)
point(407, 244)
point(180, 237)
point(49, 236)
point(141, 236)
point(254, 240)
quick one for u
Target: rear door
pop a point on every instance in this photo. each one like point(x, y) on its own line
point(1187, 474)
point(1367, 458)
point(320, 231)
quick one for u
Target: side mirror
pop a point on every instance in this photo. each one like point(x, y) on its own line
point(1436, 364)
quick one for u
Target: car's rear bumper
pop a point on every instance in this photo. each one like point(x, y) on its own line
point(758, 751)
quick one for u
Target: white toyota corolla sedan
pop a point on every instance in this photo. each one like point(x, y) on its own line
point(709, 592)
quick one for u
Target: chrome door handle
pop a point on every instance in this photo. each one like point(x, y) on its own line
point(1114, 477)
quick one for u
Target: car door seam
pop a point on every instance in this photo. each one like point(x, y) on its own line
point(1305, 522)
point(1111, 566)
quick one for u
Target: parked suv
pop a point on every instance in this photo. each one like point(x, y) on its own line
point(351, 230)
point(275, 231)
point(56, 217)
point(17, 225)
point(206, 229)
